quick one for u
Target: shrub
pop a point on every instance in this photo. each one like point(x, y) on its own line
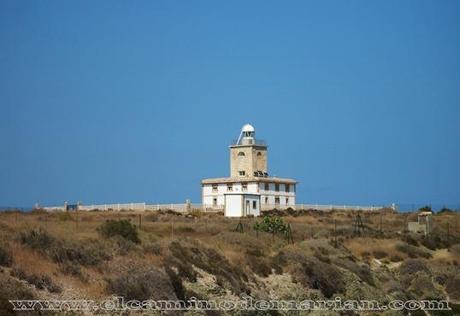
point(41, 282)
point(259, 265)
point(426, 208)
point(453, 287)
point(60, 251)
point(72, 269)
point(445, 210)
point(37, 239)
point(142, 283)
point(396, 258)
point(64, 216)
point(12, 289)
point(186, 254)
point(271, 224)
point(412, 251)
point(410, 267)
point(410, 239)
point(123, 246)
point(154, 248)
point(380, 254)
point(363, 271)
point(184, 229)
point(455, 249)
point(311, 272)
point(122, 228)
point(6, 258)
point(322, 276)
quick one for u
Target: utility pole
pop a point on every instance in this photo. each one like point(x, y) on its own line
point(76, 220)
point(335, 233)
point(448, 234)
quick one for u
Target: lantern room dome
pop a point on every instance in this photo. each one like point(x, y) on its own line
point(248, 128)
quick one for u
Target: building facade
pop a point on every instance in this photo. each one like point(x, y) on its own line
point(249, 176)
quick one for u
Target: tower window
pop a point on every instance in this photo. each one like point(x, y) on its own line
point(287, 187)
point(214, 201)
point(244, 187)
point(242, 173)
point(214, 188)
point(277, 187)
point(241, 153)
point(254, 205)
point(266, 200)
point(267, 186)
point(259, 154)
point(277, 200)
point(229, 187)
point(287, 201)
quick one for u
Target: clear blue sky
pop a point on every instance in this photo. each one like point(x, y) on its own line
point(123, 101)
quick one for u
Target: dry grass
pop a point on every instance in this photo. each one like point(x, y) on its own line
point(178, 247)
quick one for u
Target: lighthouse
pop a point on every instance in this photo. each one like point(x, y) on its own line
point(248, 156)
point(249, 189)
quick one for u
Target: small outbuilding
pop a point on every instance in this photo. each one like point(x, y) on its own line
point(424, 224)
point(241, 204)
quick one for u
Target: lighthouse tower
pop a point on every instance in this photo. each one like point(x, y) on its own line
point(248, 156)
point(249, 189)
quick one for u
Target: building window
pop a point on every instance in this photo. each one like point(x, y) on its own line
point(241, 153)
point(242, 173)
point(244, 187)
point(277, 200)
point(259, 154)
point(229, 187)
point(214, 188)
point(286, 186)
point(254, 205)
point(287, 201)
point(267, 186)
point(266, 200)
point(277, 187)
point(214, 201)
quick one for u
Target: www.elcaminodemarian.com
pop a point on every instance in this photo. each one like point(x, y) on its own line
point(247, 303)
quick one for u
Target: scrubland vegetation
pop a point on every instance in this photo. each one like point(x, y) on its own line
point(165, 255)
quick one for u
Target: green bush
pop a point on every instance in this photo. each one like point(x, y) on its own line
point(122, 228)
point(273, 225)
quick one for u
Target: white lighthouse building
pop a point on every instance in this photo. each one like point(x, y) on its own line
point(249, 189)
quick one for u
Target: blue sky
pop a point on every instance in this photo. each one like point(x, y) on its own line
point(123, 101)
